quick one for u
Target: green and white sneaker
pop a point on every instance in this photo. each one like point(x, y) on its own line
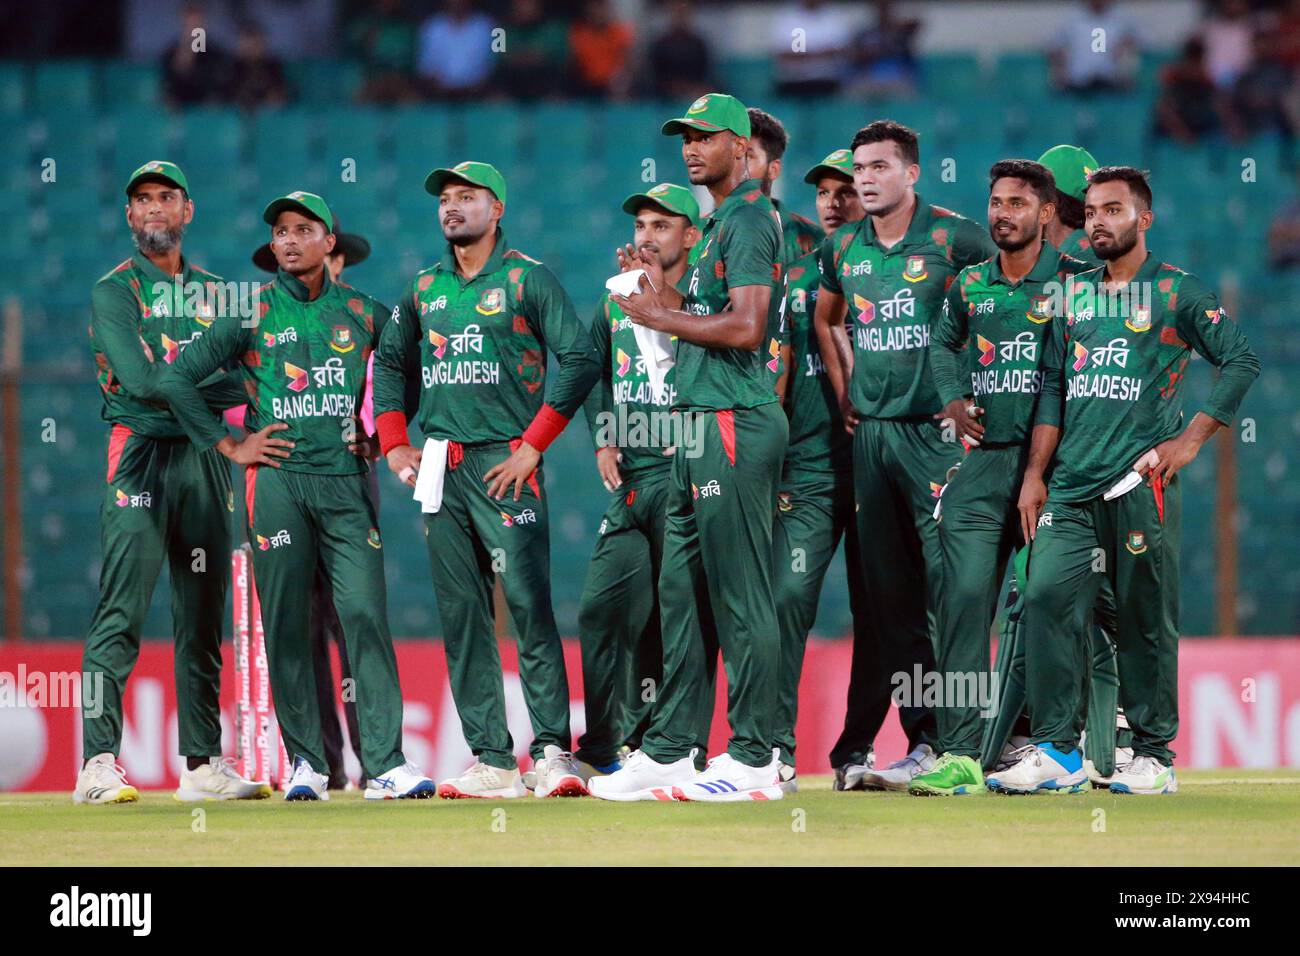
point(1145, 775)
point(953, 775)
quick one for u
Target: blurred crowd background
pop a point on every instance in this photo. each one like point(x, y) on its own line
point(566, 97)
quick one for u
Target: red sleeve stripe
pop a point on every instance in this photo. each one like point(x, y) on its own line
point(391, 428)
point(545, 428)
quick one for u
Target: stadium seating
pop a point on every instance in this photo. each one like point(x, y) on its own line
point(569, 165)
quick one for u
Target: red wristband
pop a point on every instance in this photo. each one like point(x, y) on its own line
point(545, 427)
point(391, 428)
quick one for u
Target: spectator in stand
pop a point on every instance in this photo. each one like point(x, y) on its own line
point(1262, 99)
point(1085, 61)
point(884, 55)
point(681, 62)
point(455, 57)
point(537, 52)
point(601, 48)
point(1286, 29)
point(257, 77)
point(1188, 107)
point(193, 76)
point(383, 39)
point(1284, 237)
point(811, 44)
point(1229, 35)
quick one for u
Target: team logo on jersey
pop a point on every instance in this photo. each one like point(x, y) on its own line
point(624, 362)
point(783, 502)
point(124, 499)
point(631, 497)
point(936, 489)
point(492, 302)
point(915, 270)
point(341, 340)
point(170, 349)
point(506, 520)
point(1040, 309)
point(439, 343)
point(774, 350)
point(1214, 315)
point(987, 349)
point(161, 308)
point(695, 491)
point(269, 339)
point(372, 539)
point(1136, 542)
point(1140, 320)
point(1080, 356)
point(297, 377)
point(277, 540)
point(866, 309)
point(230, 501)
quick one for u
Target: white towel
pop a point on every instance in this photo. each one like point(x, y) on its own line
point(433, 469)
point(656, 347)
point(1133, 478)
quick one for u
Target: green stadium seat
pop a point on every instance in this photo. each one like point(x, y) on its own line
point(947, 73)
point(67, 85)
point(125, 85)
point(13, 89)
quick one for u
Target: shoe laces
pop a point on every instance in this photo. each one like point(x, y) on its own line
point(943, 761)
point(1143, 765)
point(225, 766)
point(105, 772)
point(1028, 750)
point(484, 772)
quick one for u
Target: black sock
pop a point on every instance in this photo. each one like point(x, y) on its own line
point(194, 763)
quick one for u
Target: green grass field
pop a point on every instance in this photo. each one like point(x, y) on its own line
point(1218, 818)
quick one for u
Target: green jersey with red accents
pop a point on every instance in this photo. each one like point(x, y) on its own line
point(740, 245)
point(1078, 245)
point(1114, 371)
point(479, 348)
point(140, 321)
point(893, 296)
point(623, 409)
point(994, 330)
point(304, 364)
point(799, 234)
point(819, 445)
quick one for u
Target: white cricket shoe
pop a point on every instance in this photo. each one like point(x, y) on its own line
point(848, 776)
point(726, 779)
point(485, 783)
point(404, 782)
point(218, 780)
point(1145, 775)
point(102, 780)
point(641, 778)
point(1042, 769)
point(1010, 755)
point(306, 783)
point(789, 780)
point(558, 774)
point(900, 773)
point(1123, 757)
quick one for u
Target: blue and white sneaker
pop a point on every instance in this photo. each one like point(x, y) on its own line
point(726, 780)
point(404, 782)
point(306, 783)
point(1042, 769)
point(1145, 775)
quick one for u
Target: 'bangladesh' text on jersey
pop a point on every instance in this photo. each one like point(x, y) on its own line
point(893, 296)
point(1113, 373)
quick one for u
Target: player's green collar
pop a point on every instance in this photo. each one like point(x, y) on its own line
point(734, 197)
point(298, 289)
point(1146, 272)
point(918, 230)
point(1044, 270)
point(151, 271)
point(494, 262)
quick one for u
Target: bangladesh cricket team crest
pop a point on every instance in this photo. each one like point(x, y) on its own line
point(783, 501)
point(341, 340)
point(1140, 320)
point(492, 302)
point(372, 539)
point(1136, 542)
point(1040, 309)
point(915, 270)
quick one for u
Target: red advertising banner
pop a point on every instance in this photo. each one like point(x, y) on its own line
point(1239, 700)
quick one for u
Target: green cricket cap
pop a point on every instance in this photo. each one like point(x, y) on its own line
point(711, 113)
point(476, 174)
point(309, 204)
point(1070, 167)
point(158, 171)
point(673, 198)
point(838, 163)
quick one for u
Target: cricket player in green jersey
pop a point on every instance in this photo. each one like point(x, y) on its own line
point(888, 274)
point(1109, 742)
point(474, 329)
point(1111, 412)
point(717, 564)
point(768, 141)
point(618, 617)
point(303, 352)
point(164, 498)
point(815, 501)
point(985, 352)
